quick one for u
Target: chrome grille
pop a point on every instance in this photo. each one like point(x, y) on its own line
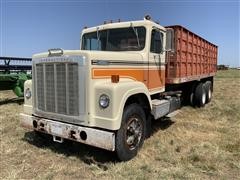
point(40, 86)
point(61, 84)
point(56, 87)
point(73, 88)
point(50, 95)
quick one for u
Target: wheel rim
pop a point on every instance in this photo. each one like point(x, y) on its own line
point(209, 94)
point(134, 132)
point(203, 98)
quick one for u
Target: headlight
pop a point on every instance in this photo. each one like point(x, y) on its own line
point(28, 93)
point(104, 101)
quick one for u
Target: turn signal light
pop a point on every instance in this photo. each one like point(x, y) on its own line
point(115, 78)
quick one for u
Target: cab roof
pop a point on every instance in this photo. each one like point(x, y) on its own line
point(114, 25)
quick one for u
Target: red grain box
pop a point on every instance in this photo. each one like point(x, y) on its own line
point(194, 57)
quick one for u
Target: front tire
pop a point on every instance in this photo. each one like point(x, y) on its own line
point(131, 135)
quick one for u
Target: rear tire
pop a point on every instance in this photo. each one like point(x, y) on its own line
point(191, 96)
point(208, 87)
point(131, 135)
point(200, 95)
point(188, 94)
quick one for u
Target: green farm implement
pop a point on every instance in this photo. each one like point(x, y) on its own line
point(13, 73)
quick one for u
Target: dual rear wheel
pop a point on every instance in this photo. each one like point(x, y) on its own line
point(201, 94)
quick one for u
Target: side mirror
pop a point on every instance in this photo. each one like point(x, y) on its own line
point(170, 40)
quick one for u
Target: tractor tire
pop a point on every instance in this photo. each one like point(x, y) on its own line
point(131, 135)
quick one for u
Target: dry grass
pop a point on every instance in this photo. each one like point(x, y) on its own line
point(195, 144)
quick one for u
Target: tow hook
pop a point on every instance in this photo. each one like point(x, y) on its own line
point(58, 139)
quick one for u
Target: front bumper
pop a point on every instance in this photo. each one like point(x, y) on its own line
point(59, 130)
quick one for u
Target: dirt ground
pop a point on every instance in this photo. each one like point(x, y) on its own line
point(197, 143)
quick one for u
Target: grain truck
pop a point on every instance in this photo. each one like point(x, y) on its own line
point(124, 75)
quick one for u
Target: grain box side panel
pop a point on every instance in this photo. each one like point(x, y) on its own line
point(194, 58)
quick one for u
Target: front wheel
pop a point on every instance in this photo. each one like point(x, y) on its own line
point(130, 137)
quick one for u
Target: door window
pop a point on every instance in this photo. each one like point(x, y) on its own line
point(156, 42)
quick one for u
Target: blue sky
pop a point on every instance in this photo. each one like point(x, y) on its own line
point(29, 26)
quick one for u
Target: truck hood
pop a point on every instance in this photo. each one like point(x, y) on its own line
point(99, 55)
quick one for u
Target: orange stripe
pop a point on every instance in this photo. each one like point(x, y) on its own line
point(151, 78)
point(156, 79)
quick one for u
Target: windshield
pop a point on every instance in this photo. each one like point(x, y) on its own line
point(121, 39)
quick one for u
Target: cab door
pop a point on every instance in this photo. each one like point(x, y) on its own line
point(156, 68)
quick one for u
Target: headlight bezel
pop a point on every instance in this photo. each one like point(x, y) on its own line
point(104, 101)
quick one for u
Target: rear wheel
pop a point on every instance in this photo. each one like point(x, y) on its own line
point(208, 87)
point(192, 98)
point(200, 95)
point(190, 94)
point(130, 137)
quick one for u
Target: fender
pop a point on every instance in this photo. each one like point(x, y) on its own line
point(111, 117)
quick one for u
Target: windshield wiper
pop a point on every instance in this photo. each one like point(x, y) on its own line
point(136, 33)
